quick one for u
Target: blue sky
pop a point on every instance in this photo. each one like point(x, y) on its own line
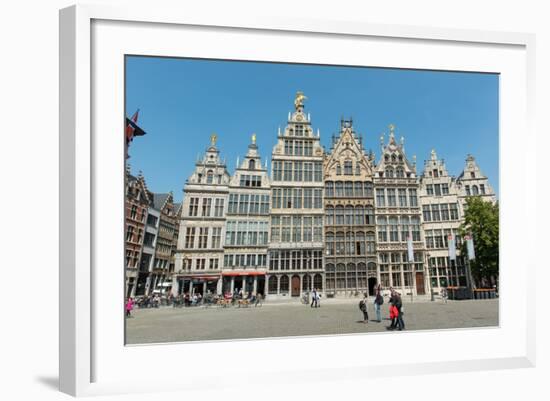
point(183, 101)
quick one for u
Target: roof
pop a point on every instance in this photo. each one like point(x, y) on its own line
point(159, 200)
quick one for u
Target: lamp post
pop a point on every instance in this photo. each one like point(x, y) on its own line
point(429, 276)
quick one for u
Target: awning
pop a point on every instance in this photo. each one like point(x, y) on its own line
point(243, 274)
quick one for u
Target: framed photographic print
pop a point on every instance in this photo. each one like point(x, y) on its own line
point(274, 191)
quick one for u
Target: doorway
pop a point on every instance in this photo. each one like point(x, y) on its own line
point(420, 283)
point(295, 288)
point(372, 285)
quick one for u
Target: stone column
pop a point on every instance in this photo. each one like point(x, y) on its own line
point(279, 285)
point(301, 284)
point(232, 284)
point(191, 287)
point(175, 285)
point(255, 288)
point(203, 288)
point(219, 287)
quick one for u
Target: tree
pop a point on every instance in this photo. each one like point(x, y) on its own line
point(482, 223)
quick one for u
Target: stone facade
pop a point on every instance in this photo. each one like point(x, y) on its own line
point(296, 245)
point(247, 226)
point(137, 202)
point(350, 232)
point(441, 218)
point(199, 256)
point(398, 216)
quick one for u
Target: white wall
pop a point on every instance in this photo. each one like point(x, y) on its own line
point(28, 165)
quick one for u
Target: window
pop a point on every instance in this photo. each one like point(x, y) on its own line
point(339, 189)
point(275, 228)
point(308, 195)
point(404, 228)
point(218, 211)
point(338, 170)
point(472, 174)
point(329, 216)
point(359, 215)
point(129, 233)
point(349, 215)
point(308, 173)
point(318, 199)
point(371, 248)
point(402, 197)
point(413, 198)
point(216, 237)
point(299, 148)
point(329, 241)
point(357, 169)
point(287, 198)
point(213, 265)
point(200, 264)
point(329, 189)
point(288, 147)
point(391, 197)
point(382, 229)
point(296, 229)
point(194, 207)
point(482, 189)
point(277, 171)
point(297, 198)
point(429, 189)
point(254, 204)
point(368, 192)
point(467, 187)
point(426, 213)
point(380, 198)
point(209, 177)
point(453, 211)
point(369, 215)
point(436, 173)
point(297, 171)
point(287, 173)
point(264, 206)
point(233, 203)
point(445, 189)
point(348, 187)
point(444, 212)
point(133, 212)
point(308, 148)
point(243, 204)
point(318, 172)
point(399, 173)
point(437, 189)
point(435, 213)
point(339, 215)
point(415, 228)
point(389, 172)
point(358, 189)
point(475, 190)
point(190, 237)
point(308, 225)
point(394, 229)
point(276, 199)
point(203, 237)
point(348, 167)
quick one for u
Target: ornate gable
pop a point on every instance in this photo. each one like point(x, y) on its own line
point(393, 161)
point(347, 156)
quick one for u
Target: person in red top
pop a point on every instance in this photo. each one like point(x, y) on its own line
point(129, 307)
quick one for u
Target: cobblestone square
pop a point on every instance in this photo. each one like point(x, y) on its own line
point(335, 316)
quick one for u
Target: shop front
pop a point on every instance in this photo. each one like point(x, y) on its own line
point(250, 282)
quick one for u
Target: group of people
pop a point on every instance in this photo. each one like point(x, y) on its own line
point(395, 308)
point(315, 299)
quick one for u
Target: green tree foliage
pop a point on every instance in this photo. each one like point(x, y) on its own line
point(481, 221)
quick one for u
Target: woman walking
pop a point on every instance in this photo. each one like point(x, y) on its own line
point(378, 301)
point(129, 307)
point(363, 307)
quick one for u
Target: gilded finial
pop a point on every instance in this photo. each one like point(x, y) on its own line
point(299, 100)
point(213, 139)
point(254, 138)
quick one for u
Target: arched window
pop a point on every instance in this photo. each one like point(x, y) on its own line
point(369, 215)
point(349, 215)
point(348, 186)
point(329, 189)
point(389, 172)
point(359, 215)
point(399, 173)
point(199, 178)
point(351, 275)
point(318, 282)
point(357, 169)
point(330, 249)
point(209, 177)
point(306, 283)
point(340, 276)
point(339, 215)
point(350, 243)
point(360, 243)
point(394, 229)
point(475, 190)
point(370, 243)
point(339, 189)
point(284, 283)
point(338, 170)
point(358, 189)
point(329, 216)
point(330, 276)
point(272, 285)
point(393, 158)
point(340, 247)
point(382, 229)
point(368, 192)
point(251, 165)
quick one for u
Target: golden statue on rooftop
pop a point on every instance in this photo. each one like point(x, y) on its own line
point(299, 100)
point(213, 139)
point(254, 138)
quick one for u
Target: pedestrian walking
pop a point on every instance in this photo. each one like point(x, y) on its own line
point(129, 307)
point(313, 298)
point(399, 306)
point(364, 308)
point(444, 295)
point(378, 302)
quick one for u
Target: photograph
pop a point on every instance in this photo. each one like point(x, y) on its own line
point(272, 199)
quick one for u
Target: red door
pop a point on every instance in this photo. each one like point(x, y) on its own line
point(295, 287)
point(420, 283)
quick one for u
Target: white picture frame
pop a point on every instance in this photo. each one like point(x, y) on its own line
point(93, 358)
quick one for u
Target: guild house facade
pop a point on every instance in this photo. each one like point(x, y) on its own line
point(340, 220)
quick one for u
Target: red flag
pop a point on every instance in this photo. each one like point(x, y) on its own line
point(132, 129)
